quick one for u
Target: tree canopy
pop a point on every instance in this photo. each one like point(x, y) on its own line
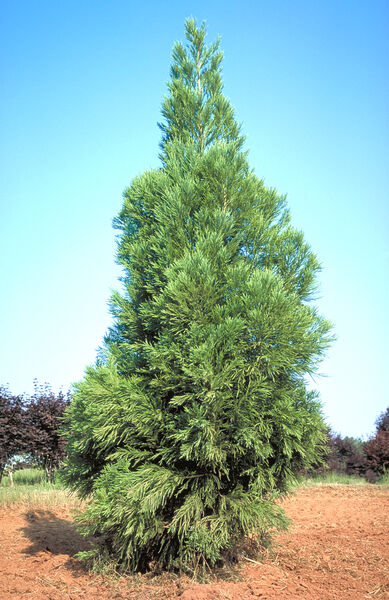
point(198, 414)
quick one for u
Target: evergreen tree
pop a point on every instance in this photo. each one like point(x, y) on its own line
point(198, 415)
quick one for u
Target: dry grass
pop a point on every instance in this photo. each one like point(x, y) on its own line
point(38, 497)
point(31, 490)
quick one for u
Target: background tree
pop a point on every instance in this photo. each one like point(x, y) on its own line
point(382, 422)
point(377, 448)
point(341, 455)
point(12, 428)
point(199, 415)
point(347, 455)
point(43, 421)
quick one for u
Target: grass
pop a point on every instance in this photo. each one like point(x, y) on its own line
point(25, 477)
point(384, 479)
point(38, 496)
point(32, 490)
point(333, 478)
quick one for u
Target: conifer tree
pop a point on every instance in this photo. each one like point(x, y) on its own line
point(198, 414)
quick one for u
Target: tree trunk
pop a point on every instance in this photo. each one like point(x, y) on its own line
point(49, 474)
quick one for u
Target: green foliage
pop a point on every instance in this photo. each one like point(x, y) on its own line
point(198, 416)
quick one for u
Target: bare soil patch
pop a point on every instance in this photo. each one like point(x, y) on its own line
point(336, 549)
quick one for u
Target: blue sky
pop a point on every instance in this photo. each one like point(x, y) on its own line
point(81, 90)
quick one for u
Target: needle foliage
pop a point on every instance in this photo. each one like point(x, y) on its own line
point(198, 414)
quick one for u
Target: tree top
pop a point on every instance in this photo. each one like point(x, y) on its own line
point(196, 111)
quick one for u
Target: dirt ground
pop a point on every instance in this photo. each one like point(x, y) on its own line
point(337, 548)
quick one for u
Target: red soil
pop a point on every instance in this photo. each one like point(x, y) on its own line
point(337, 548)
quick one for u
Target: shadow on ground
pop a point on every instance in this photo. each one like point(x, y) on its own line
point(52, 534)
